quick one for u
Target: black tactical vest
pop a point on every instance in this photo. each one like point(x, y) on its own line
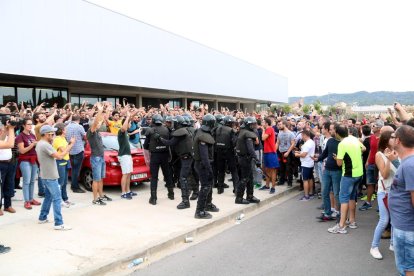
point(223, 138)
point(203, 137)
point(241, 146)
point(185, 146)
point(157, 145)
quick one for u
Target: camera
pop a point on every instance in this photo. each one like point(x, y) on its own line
point(17, 122)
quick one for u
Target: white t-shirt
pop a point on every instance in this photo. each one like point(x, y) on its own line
point(308, 147)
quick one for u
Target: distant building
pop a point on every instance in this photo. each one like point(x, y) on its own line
point(370, 110)
point(72, 50)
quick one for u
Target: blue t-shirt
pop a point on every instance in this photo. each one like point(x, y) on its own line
point(400, 204)
point(134, 138)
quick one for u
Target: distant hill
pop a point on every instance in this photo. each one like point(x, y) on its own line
point(361, 98)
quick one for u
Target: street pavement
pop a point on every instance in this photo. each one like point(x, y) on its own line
point(283, 240)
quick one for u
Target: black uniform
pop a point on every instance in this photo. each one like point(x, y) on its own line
point(203, 156)
point(224, 148)
point(194, 182)
point(246, 155)
point(182, 141)
point(159, 158)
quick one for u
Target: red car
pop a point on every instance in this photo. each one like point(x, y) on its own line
point(140, 173)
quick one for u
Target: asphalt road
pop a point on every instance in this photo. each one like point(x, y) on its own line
point(284, 240)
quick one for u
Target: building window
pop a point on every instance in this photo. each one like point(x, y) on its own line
point(7, 95)
point(26, 95)
point(51, 96)
point(174, 103)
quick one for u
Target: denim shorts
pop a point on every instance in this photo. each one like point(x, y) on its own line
point(372, 174)
point(403, 242)
point(98, 167)
point(348, 188)
point(307, 173)
point(126, 163)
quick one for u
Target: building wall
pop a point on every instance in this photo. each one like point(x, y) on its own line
point(76, 40)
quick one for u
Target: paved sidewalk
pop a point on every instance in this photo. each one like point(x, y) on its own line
point(105, 236)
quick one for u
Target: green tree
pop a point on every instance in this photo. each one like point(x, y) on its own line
point(306, 108)
point(286, 108)
point(318, 106)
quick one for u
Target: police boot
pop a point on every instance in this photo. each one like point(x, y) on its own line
point(153, 198)
point(184, 194)
point(240, 191)
point(225, 186)
point(252, 199)
point(211, 207)
point(220, 188)
point(202, 215)
point(171, 193)
point(240, 200)
point(194, 195)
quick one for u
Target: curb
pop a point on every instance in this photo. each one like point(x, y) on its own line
point(171, 242)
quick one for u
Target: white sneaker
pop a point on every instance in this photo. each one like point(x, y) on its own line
point(69, 202)
point(392, 247)
point(337, 230)
point(62, 227)
point(64, 204)
point(353, 225)
point(334, 214)
point(43, 221)
point(375, 253)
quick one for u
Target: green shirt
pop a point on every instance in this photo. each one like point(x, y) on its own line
point(123, 140)
point(349, 150)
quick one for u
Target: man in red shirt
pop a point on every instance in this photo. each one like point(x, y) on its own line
point(371, 168)
point(271, 163)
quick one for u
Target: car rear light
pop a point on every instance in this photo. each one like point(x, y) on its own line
point(115, 164)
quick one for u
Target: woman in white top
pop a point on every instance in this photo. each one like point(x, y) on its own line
point(383, 160)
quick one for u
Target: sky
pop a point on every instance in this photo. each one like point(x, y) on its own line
point(321, 46)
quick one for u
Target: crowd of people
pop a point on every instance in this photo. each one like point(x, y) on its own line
point(333, 159)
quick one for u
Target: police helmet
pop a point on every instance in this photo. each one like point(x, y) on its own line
point(157, 119)
point(219, 118)
point(208, 122)
point(250, 123)
point(169, 119)
point(178, 121)
point(187, 121)
point(228, 120)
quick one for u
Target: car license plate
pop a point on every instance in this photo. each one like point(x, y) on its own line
point(138, 176)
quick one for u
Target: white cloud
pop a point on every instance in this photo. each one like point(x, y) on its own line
point(321, 46)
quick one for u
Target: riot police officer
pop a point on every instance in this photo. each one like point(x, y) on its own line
point(182, 141)
point(193, 178)
point(159, 157)
point(217, 126)
point(246, 155)
point(225, 143)
point(203, 156)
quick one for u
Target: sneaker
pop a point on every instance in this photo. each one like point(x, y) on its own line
point(365, 197)
point(35, 202)
point(126, 196)
point(43, 221)
point(106, 198)
point(41, 195)
point(334, 214)
point(353, 225)
point(264, 188)
point(4, 249)
point(311, 196)
point(304, 198)
point(27, 205)
point(62, 227)
point(272, 191)
point(392, 247)
point(257, 185)
point(68, 202)
point(365, 206)
point(98, 202)
point(324, 217)
point(64, 204)
point(337, 230)
point(375, 253)
point(132, 193)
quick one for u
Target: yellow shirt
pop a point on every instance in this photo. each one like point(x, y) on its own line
point(60, 142)
point(114, 126)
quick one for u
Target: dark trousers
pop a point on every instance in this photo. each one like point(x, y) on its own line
point(223, 158)
point(206, 183)
point(246, 177)
point(194, 179)
point(184, 173)
point(8, 172)
point(160, 159)
point(76, 163)
point(286, 167)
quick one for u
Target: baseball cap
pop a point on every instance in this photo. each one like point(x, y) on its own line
point(379, 123)
point(47, 129)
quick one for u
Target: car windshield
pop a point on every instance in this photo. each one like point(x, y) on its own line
point(111, 143)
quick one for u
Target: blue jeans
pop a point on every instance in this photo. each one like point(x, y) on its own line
point(29, 172)
point(348, 188)
point(40, 184)
point(76, 163)
point(8, 172)
point(384, 218)
point(52, 195)
point(63, 170)
point(330, 181)
point(403, 250)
